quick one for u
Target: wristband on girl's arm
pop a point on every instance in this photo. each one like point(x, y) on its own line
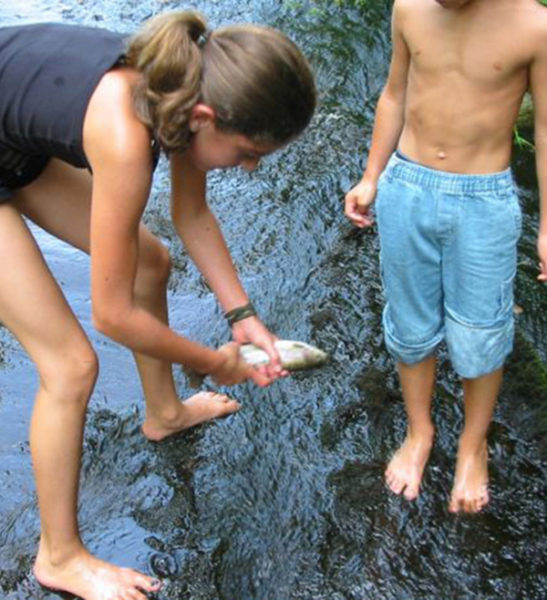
point(240, 313)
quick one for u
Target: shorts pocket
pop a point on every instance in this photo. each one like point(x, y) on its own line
point(516, 211)
point(506, 297)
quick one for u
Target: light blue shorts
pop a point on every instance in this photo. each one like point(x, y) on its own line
point(448, 260)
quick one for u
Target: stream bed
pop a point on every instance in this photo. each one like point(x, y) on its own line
point(285, 500)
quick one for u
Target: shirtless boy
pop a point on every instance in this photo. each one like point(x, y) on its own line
point(448, 216)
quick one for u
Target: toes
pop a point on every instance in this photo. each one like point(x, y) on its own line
point(482, 500)
point(411, 492)
point(231, 406)
point(140, 582)
point(469, 504)
point(133, 595)
point(455, 503)
point(222, 398)
point(395, 484)
point(148, 584)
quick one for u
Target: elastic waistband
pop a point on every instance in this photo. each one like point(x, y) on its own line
point(400, 167)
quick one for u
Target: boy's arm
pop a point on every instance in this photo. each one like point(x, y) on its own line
point(388, 124)
point(389, 119)
point(538, 87)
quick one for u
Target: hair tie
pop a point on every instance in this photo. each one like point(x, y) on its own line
point(204, 38)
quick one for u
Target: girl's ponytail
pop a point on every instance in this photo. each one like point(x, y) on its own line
point(166, 53)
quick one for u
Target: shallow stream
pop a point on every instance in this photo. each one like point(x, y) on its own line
point(285, 500)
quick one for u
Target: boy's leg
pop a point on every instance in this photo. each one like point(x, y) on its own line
point(60, 202)
point(410, 257)
point(33, 307)
point(470, 491)
point(405, 470)
point(480, 266)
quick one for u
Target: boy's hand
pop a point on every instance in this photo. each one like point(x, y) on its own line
point(358, 201)
point(542, 253)
point(235, 370)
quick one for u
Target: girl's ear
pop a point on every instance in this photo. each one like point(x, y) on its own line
point(201, 115)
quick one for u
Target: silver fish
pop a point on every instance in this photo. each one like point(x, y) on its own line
point(294, 355)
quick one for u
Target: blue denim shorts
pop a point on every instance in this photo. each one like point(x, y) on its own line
point(448, 245)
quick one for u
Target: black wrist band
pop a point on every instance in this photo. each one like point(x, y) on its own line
point(239, 313)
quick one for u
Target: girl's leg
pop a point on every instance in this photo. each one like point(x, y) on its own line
point(405, 470)
point(470, 491)
point(60, 202)
point(34, 309)
point(165, 414)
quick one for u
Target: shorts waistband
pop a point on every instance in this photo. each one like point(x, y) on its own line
point(404, 168)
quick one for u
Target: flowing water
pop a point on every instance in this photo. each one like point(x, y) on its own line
point(285, 500)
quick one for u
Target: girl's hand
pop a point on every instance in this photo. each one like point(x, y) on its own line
point(253, 330)
point(235, 370)
point(358, 201)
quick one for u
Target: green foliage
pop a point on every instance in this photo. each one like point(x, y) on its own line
point(353, 3)
point(522, 142)
point(525, 122)
point(324, 6)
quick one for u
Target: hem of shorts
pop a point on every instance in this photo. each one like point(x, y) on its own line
point(406, 353)
point(505, 327)
point(477, 373)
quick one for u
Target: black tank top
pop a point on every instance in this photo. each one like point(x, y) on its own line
point(48, 73)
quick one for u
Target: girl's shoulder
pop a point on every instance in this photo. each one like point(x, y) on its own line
point(111, 124)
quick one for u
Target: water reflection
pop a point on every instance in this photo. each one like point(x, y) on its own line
point(285, 500)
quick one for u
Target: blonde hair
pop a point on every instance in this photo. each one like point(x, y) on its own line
point(256, 80)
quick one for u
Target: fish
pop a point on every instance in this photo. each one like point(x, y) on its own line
point(294, 355)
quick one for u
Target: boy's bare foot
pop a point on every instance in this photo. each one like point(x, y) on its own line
point(89, 578)
point(470, 491)
point(405, 470)
point(197, 409)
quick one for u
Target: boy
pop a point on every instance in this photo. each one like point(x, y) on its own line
point(448, 216)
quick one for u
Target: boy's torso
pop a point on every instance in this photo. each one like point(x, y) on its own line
point(468, 72)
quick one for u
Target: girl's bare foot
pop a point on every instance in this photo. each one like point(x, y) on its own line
point(470, 491)
point(405, 470)
point(197, 409)
point(89, 578)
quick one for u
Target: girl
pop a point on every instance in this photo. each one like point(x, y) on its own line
point(84, 114)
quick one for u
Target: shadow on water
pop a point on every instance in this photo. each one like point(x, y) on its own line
point(285, 500)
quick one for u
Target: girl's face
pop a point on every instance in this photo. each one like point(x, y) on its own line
point(214, 149)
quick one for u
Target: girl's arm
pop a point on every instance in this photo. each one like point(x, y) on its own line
point(117, 146)
point(201, 235)
point(121, 185)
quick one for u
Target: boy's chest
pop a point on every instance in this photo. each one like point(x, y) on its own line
point(487, 55)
